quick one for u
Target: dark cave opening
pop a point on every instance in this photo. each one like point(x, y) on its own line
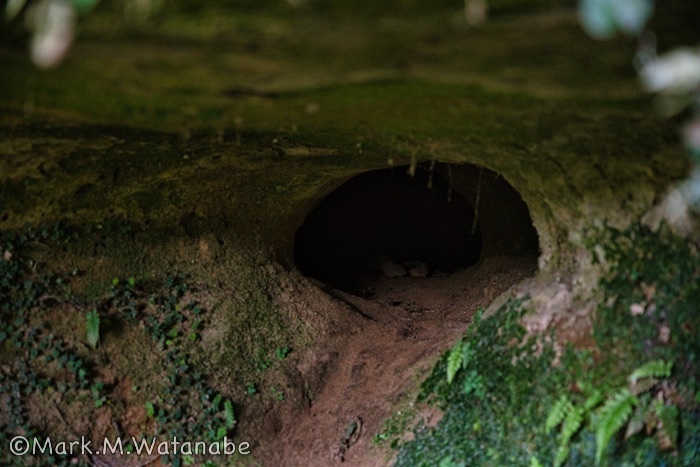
point(387, 219)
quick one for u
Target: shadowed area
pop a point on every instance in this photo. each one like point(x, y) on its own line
point(387, 214)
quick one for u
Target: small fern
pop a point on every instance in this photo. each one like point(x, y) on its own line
point(652, 369)
point(570, 418)
point(593, 400)
point(668, 431)
point(467, 354)
point(454, 361)
point(562, 455)
point(229, 415)
point(639, 418)
point(572, 423)
point(616, 412)
point(611, 417)
point(459, 357)
point(92, 328)
point(558, 412)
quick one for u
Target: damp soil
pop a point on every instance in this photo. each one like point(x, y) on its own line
point(406, 323)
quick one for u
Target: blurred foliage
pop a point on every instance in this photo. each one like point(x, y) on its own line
point(365, 7)
point(602, 19)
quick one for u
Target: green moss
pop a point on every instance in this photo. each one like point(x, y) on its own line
point(653, 287)
point(504, 388)
point(493, 400)
point(149, 332)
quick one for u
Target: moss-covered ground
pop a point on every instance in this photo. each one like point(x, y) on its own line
point(138, 376)
point(631, 398)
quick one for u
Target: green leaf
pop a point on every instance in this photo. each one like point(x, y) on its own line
point(150, 409)
point(638, 420)
point(473, 383)
point(652, 369)
point(93, 328)
point(571, 425)
point(562, 455)
point(611, 417)
point(84, 6)
point(593, 400)
point(467, 354)
point(454, 361)
point(668, 414)
point(282, 352)
point(229, 415)
point(558, 412)
point(640, 387)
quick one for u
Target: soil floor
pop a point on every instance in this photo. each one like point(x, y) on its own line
point(408, 323)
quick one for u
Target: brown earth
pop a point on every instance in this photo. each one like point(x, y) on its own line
point(404, 325)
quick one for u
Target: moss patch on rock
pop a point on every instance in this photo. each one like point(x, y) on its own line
point(504, 394)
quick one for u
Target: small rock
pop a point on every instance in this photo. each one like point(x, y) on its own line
point(388, 266)
point(417, 268)
point(636, 309)
point(649, 291)
point(664, 334)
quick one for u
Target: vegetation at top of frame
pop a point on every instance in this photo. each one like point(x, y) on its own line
point(370, 7)
point(632, 400)
point(42, 360)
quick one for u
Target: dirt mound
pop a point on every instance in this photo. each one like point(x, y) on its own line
point(407, 323)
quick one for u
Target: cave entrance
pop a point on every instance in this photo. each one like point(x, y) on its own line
point(387, 222)
point(385, 331)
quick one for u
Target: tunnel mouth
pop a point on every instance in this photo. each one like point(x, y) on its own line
point(388, 223)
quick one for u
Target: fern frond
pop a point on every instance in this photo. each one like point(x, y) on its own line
point(638, 419)
point(611, 417)
point(558, 412)
point(467, 354)
point(643, 385)
point(92, 328)
point(229, 415)
point(593, 400)
point(668, 414)
point(454, 361)
point(562, 455)
point(652, 369)
point(572, 423)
